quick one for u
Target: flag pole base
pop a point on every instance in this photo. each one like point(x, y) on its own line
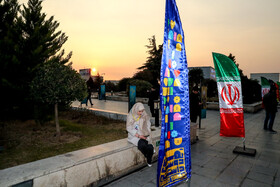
point(244, 151)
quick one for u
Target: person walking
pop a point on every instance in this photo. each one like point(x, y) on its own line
point(139, 132)
point(270, 106)
point(195, 104)
point(89, 96)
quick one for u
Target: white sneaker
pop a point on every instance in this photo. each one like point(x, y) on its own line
point(150, 165)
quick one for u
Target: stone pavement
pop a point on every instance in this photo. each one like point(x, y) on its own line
point(116, 106)
point(214, 164)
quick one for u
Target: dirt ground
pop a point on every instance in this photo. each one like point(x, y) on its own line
point(26, 141)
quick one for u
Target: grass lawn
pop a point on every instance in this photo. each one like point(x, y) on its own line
point(26, 141)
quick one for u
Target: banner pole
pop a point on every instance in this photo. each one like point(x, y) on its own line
point(243, 150)
point(189, 182)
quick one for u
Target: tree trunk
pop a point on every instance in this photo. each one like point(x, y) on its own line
point(56, 121)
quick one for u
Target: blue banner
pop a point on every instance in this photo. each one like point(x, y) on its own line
point(102, 92)
point(174, 159)
point(132, 97)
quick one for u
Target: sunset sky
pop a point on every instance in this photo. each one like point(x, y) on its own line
point(110, 35)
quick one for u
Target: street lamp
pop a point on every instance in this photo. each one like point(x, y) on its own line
point(103, 77)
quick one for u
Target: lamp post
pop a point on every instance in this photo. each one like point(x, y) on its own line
point(156, 103)
point(103, 77)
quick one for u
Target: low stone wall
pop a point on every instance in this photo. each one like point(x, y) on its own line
point(110, 114)
point(105, 113)
point(93, 166)
point(253, 108)
point(125, 99)
point(193, 134)
point(249, 108)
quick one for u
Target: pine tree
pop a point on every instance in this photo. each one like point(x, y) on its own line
point(9, 56)
point(251, 90)
point(153, 63)
point(40, 43)
point(233, 59)
point(40, 39)
point(195, 77)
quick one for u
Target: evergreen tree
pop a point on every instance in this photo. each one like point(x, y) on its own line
point(141, 87)
point(123, 83)
point(233, 59)
point(28, 40)
point(251, 90)
point(40, 43)
point(212, 90)
point(110, 86)
point(153, 63)
point(9, 56)
point(40, 39)
point(145, 75)
point(195, 77)
point(97, 82)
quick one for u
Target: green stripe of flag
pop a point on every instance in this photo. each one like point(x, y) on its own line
point(264, 82)
point(226, 69)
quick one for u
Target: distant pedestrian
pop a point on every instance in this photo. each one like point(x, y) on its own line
point(89, 96)
point(153, 95)
point(139, 133)
point(270, 106)
point(105, 94)
point(98, 92)
point(195, 104)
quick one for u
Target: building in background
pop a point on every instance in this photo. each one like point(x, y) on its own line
point(272, 76)
point(208, 72)
point(87, 73)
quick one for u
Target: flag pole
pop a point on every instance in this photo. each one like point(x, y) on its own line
point(243, 150)
point(189, 182)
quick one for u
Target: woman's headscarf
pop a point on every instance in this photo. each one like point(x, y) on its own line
point(143, 120)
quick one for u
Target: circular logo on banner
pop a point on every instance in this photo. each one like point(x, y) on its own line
point(230, 94)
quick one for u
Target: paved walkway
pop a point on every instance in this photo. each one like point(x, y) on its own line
point(116, 106)
point(214, 164)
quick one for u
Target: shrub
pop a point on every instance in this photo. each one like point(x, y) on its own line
point(141, 87)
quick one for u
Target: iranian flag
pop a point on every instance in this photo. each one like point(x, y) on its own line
point(230, 97)
point(265, 86)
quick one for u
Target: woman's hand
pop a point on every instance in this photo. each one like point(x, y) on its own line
point(140, 136)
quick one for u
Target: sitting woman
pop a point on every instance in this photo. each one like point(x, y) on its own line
point(139, 133)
